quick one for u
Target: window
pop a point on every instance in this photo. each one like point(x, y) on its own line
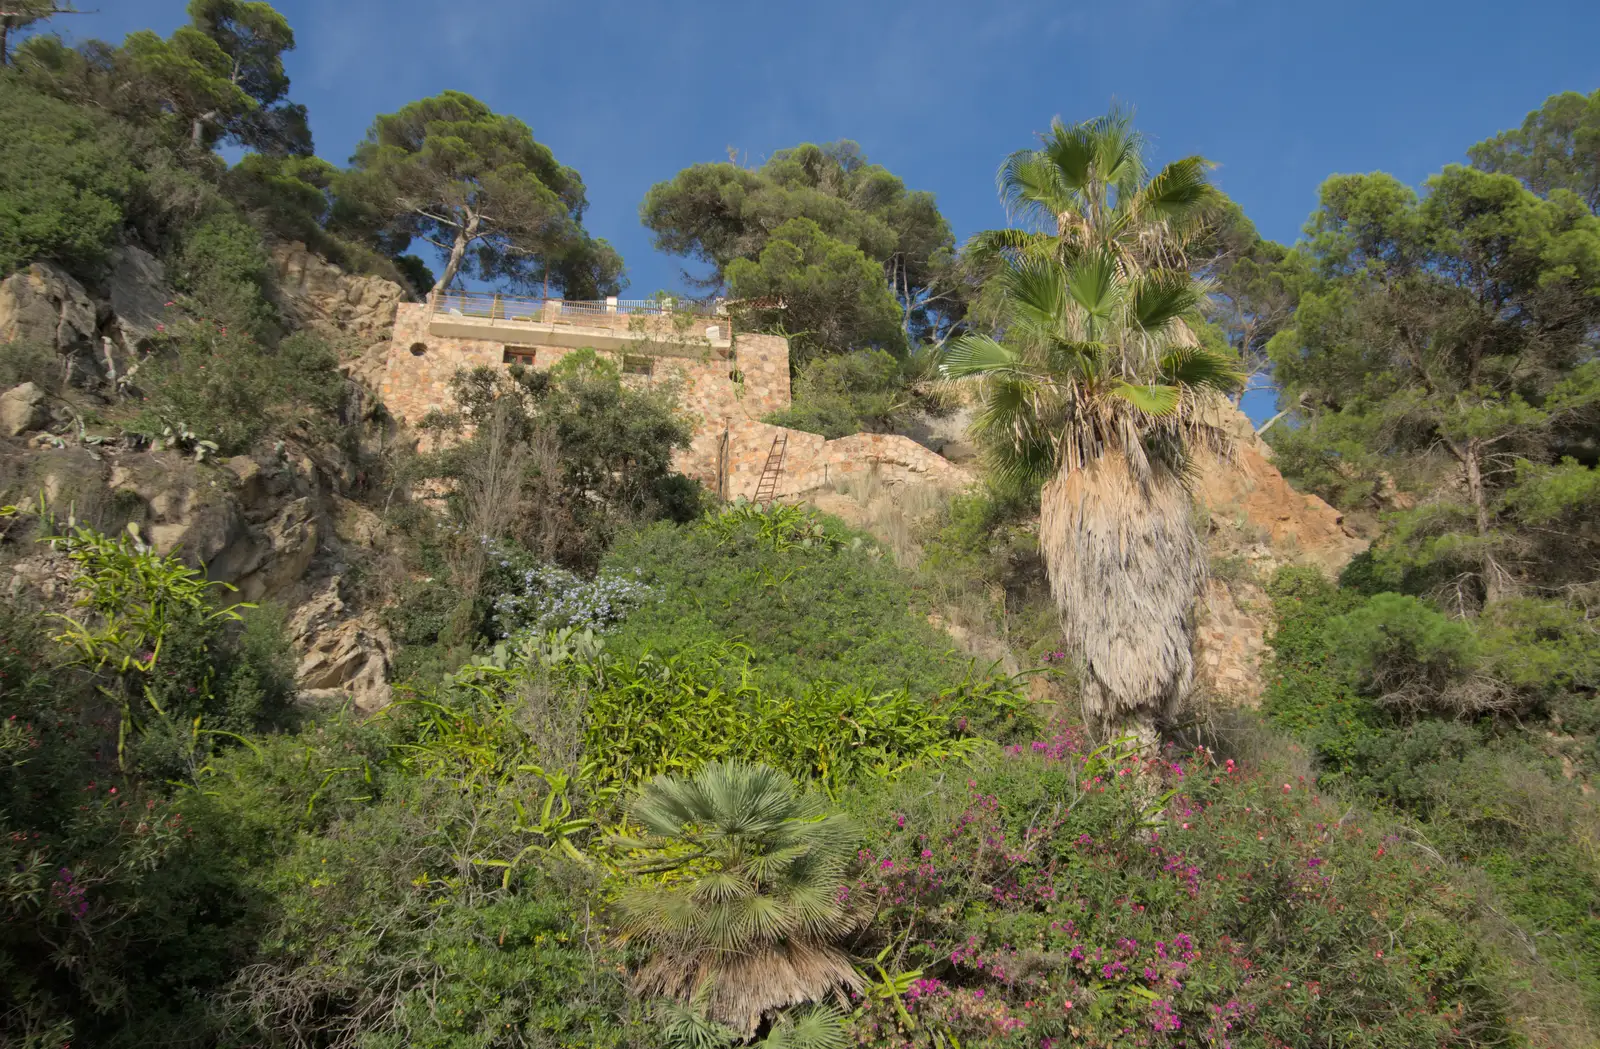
point(418, 349)
point(519, 355)
point(636, 364)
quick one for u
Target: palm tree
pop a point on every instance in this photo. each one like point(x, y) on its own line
point(1096, 390)
point(1085, 189)
point(745, 915)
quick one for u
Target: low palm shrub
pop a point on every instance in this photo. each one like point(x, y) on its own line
point(736, 893)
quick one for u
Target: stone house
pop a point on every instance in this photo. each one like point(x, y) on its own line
point(727, 382)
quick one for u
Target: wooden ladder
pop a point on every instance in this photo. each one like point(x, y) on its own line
point(767, 487)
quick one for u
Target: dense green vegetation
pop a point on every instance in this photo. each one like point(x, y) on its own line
point(1440, 374)
point(667, 772)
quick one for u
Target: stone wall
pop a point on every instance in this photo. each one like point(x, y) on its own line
point(724, 398)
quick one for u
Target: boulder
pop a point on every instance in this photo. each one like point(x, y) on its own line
point(22, 408)
point(252, 485)
point(351, 654)
point(138, 295)
point(291, 540)
point(186, 511)
point(357, 526)
point(44, 305)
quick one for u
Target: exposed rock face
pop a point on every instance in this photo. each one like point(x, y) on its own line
point(357, 312)
point(1258, 523)
point(185, 510)
point(272, 526)
point(1231, 640)
point(42, 304)
point(22, 408)
point(1249, 492)
point(340, 653)
point(138, 295)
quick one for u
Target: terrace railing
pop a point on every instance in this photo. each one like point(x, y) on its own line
point(495, 306)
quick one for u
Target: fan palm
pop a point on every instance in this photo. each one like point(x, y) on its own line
point(746, 913)
point(1085, 189)
point(1096, 390)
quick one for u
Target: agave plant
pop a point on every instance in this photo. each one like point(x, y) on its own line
point(1096, 390)
point(736, 895)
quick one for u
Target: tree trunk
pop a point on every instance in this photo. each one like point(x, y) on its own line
point(1471, 456)
point(1125, 567)
point(1264, 427)
point(458, 251)
point(198, 128)
point(5, 33)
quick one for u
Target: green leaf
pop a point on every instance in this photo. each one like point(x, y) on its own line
point(1152, 400)
point(974, 354)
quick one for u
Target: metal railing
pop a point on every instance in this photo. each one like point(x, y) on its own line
point(496, 306)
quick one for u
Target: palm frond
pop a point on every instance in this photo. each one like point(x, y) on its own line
point(1035, 289)
point(1158, 298)
point(1153, 399)
point(686, 1025)
point(715, 887)
point(1198, 367)
point(1070, 150)
point(1032, 187)
point(1096, 287)
point(808, 1027)
point(988, 245)
point(1176, 191)
point(975, 354)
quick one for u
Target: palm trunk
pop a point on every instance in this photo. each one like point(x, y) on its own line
point(1125, 567)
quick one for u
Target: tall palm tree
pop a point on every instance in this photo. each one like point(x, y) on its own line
point(1096, 390)
point(745, 914)
point(1086, 188)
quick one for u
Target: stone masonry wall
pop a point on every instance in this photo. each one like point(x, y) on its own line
point(725, 399)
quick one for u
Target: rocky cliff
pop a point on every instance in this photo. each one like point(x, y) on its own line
point(1257, 522)
point(278, 524)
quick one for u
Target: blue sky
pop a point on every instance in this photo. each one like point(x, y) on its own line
point(1278, 94)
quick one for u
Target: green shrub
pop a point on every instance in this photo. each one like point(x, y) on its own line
point(1395, 644)
point(224, 386)
point(573, 456)
point(64, 179)
point(855, 392)
point(395, 925)
point(1484, 794)
point(1540, 648)
point(1045, 903)
point(1306, 695)
point(650, 714)
point(221, 264)
point(119, 916)
point(828, 611)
